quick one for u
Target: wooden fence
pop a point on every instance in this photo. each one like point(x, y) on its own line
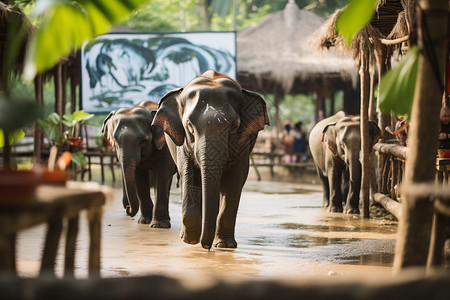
point(390, 194)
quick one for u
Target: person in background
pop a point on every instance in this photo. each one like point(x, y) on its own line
point(299, 142)
point(444, 135)
point(287, 142)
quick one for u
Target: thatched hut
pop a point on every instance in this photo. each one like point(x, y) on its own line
point(372, 49)
point(275, 57)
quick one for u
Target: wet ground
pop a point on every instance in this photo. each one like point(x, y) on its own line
point(282, 232)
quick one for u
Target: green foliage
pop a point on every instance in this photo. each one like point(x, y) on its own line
point(65, 25)
point(13, 137)
point(398, 85)
point(51, 125)
point(293, 108)
point(79, 159)
point(354, 17)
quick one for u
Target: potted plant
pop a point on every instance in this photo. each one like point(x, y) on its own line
point(67, 138)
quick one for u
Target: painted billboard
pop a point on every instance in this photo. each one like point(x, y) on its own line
point(122, 69)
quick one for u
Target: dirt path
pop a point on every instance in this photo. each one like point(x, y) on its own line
point(282, 233)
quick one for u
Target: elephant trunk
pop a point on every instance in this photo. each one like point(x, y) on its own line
point(129, 175)
point(211, 172)
point(355, 170)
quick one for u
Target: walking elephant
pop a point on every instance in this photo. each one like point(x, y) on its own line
point(211, 126)
point(142, 160)
point(335, 145)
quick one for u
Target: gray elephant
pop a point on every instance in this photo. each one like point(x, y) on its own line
point(142, 159)
point(335, 145)
point(211, 126)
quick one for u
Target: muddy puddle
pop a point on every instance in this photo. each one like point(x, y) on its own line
point(282, 232)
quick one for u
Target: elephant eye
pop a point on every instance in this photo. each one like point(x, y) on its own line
point(190, 127)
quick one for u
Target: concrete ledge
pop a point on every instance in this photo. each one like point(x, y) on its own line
point(407, 286)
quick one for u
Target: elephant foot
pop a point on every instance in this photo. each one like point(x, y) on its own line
point(190, 237)
point(231, 243)
point(160, 224)
point(145, 220)
point(352, 210)
point(334, 208)
point(325, 204)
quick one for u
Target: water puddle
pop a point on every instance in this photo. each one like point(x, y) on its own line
point(281, 231)
point(388, 229)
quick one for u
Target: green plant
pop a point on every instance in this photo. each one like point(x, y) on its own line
point(52, 124)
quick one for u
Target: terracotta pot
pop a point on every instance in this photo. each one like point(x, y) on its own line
point(17, 187)
point(75, 141)
point(54, 177)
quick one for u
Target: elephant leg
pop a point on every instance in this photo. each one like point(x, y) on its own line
point(352, 204)
point(325, 187)
point(231, 189)
point(143, 192)
point(191, 195)
point(345, 184)
point(335, 179)
point(229, 203)
point(163, 181)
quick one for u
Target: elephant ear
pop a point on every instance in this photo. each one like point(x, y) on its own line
point(253, 117)
point(329, 137)
point(374, 133)
point(158, 134)
point(107, 128)
point(168, 117)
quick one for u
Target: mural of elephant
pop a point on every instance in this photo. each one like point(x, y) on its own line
point(130, 132)
point(211, 126)
point(335, 145)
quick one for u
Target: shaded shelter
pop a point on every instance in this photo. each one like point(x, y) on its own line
point(372, 50)
point(275, 57)
point(423, 23)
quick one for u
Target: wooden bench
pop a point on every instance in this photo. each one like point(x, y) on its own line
point(53, 205)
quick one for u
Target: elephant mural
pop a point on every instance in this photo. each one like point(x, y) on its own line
point(211, 126)
point(335, 145)
point(142, 159)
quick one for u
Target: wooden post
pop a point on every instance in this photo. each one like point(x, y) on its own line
point(38, 135)
point(365, 164)
point(59, 106)
point(417, 213)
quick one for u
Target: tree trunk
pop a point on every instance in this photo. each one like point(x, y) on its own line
point(415, 224)
point(365, 163)
point(205, 15)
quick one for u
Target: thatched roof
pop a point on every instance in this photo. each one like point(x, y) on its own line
point(278, 48)
point(388, 22)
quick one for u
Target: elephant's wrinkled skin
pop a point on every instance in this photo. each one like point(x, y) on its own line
point(335, 144)
point(211, 126)
point(129, 131)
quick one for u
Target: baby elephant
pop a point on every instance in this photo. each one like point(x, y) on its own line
point(130, 132)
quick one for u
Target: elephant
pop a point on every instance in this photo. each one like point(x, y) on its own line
point(142, 160)
point(211, 126)
point(335, 145)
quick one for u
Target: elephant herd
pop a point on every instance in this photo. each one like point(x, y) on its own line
point(206, 132)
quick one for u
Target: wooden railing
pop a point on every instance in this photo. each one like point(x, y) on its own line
point(274, 159)
point(392, 159)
